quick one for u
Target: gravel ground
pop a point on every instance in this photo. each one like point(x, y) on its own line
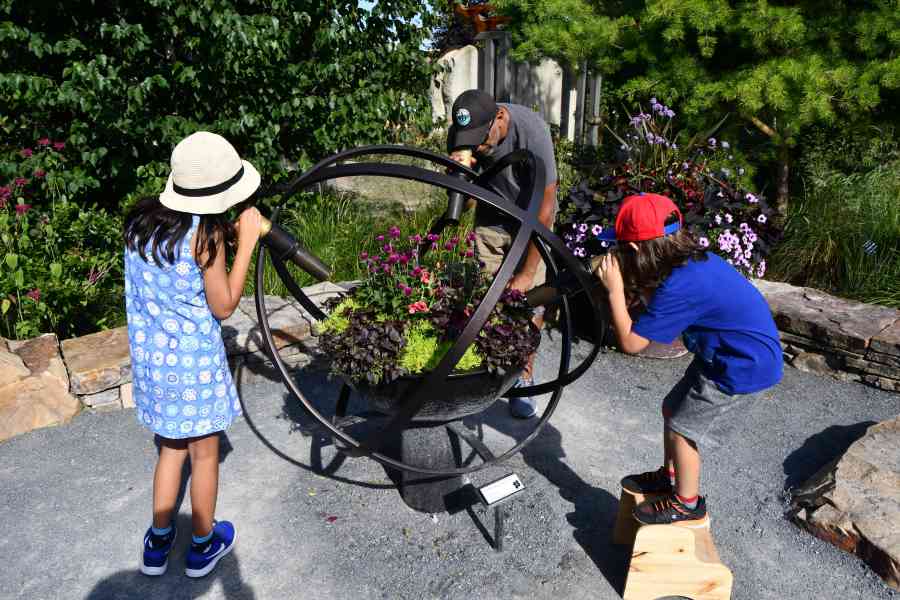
point(312, 525)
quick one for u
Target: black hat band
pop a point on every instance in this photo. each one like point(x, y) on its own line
point(208, 191)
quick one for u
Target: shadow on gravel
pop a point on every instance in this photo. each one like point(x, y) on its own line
point(593, 509)
point(126, 585)
point(322, 393)
point(820, 449)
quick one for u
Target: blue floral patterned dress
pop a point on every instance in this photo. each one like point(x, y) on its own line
point(182, 385)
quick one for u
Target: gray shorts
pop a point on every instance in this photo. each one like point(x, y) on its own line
point(698, 410)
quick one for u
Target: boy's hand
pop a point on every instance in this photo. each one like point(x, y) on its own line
point(610, 274)
point(248, 227)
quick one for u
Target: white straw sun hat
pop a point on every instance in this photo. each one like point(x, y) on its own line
point(208, 176)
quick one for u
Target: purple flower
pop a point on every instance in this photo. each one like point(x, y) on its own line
point(728, 218)
point(386, 268)
point(394, 232)
point(761, 270)
point(711, 141)
point(704, 242)
point(579, 252)
point(380, 238)
point(434, 245)
point(433, 237)
point(761, 218)
point(417, 271)
point(718, 219)
point(580, 238)
point(670, 113)
point(582, 228)
point(448, 246)
point(407, 291)
point(393, 258)
point(751, 198)
point(470, 253)
point(470, 237)
point(363, 255)
point(596, 230)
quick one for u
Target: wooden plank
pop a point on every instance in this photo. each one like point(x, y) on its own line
point(664, 562)
point(580, 90)
point(592, 122)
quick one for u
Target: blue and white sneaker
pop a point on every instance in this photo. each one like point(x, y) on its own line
point(155, 558)
point(525, 406)
point(203, 558)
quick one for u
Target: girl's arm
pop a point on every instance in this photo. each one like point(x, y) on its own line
point(223, 289)
point(610, 274)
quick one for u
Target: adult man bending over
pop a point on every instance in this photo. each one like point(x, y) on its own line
point(489, 131)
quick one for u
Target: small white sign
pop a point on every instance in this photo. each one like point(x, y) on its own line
point(501, 489)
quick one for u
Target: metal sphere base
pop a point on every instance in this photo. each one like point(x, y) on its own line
point(432, 446)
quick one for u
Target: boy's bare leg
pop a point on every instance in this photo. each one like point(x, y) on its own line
point(204, 482)
point(686, 459)
point(668, 450)
point(167, 480)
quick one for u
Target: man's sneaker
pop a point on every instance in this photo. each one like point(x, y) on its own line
point(524, 407)
point(155, 558)
point(202, 558)
point(651, 482)
point(666, 510)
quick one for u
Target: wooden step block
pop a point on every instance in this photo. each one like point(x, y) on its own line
point(669, 560)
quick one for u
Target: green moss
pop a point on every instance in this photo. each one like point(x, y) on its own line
point(424, 351)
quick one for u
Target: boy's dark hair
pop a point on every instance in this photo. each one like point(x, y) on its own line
point(647, 267)
point(151, 224)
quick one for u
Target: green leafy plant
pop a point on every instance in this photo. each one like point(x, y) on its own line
point(287, 82)
point(780, 67)
point(61, 262)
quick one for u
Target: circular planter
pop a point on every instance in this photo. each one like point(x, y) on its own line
point(460, 395)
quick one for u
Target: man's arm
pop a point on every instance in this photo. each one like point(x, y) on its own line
point(524, 279)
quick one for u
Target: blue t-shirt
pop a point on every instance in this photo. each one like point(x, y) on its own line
point(724, 321)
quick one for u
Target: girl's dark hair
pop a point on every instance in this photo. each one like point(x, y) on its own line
point(151, 224)
point(647, 267)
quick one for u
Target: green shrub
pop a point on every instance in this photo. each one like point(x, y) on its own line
point(61, 263)
point(843, 236)
point(287, 82)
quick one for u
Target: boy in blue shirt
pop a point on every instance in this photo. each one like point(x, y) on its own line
point(724, 321)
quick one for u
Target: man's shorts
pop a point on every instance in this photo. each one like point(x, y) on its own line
point(698, 410)
point(492, 244)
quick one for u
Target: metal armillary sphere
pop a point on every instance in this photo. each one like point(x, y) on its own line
point(468, 183)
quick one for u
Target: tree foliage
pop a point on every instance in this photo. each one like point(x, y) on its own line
point(285, 81)
point(782, 66)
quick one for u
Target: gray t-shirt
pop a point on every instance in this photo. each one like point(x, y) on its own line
point(527, 130)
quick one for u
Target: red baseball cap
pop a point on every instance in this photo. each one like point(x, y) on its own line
point(643, 217)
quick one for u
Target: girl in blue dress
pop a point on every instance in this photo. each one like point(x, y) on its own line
point(177, 290)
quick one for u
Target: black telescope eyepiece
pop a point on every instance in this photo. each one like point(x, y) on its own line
point(285, 247)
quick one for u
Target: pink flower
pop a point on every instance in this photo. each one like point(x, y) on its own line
point(43, 142)
point(5, 192)
point(40, 173)
point(20, 181)
point(704, 242)
point(58, 146)
point(21, 209)
point(34, 294)
point(363, 255)
point(425, 277)
point(26, 152)
point(416, 307)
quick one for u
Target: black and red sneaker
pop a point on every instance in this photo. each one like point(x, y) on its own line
point(651, 482)
point(667, 510)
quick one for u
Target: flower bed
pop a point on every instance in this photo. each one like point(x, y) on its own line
point(405, 315)
point(704, 176)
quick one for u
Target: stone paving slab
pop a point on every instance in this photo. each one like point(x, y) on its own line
point(315, 526)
